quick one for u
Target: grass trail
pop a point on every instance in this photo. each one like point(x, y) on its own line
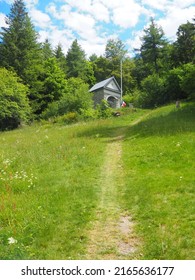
point(112, 235)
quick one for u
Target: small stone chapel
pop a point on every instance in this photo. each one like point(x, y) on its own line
point(108, 90)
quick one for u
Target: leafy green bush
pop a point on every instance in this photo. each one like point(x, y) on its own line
point(181, 82)
point(153, 91)
point(76, 97)
point(188, 80)
point(132, 97)
point(104, 110)
point(68, 118)
point(51, 111)
point(14, 106)
point(88, 114)
point(173, 81)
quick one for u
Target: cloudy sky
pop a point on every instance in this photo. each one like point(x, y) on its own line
point(93, 22)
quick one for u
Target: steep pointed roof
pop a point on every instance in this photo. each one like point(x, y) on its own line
point(104, 84)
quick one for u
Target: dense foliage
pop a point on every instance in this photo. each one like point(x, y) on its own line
point(160, 71)
point(14, 106)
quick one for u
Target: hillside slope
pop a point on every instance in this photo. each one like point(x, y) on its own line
point(57, 184)
point(159, 162)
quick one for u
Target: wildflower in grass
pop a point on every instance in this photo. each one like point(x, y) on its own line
point(11, 240)
point(178, 144)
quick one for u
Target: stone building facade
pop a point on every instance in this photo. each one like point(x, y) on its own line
point(108, 90)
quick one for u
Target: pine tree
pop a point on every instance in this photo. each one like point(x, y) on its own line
point(47, 50)
point(75, 60)
point(19, 49)
point(153, 43)
point(78, 66)
point(61, 59)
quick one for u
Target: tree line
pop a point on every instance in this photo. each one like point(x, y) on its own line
point(39, 82)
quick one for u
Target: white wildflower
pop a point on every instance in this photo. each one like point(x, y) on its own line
point(11, 240)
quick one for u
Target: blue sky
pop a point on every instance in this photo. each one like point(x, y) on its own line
point(93, 22)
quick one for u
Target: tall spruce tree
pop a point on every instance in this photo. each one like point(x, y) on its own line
point(61, 59)
point(19, 47)
point(75, 60)
point(77, 65)
point(20, 50)
point(153, 43)
point(47, 50)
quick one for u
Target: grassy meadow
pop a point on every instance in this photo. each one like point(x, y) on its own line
point(50, 176)
point(48, 191)
point(159, 162)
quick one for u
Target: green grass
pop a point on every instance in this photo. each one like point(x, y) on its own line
point(49, 187)
point(159, 160)
point(49, 190)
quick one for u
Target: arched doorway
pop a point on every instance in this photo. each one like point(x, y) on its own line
point(112, 101)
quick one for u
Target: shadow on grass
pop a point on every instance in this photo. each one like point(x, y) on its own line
point(103, 131)
point(175, 122)
point(166, 123)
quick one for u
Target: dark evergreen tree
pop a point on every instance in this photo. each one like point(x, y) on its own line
point(185, 44)
point(93, 57)
point(61, 59)
point(153, 46)
point(20, 50)
point(47, 50)
point(78, 66)
point(75, 60)
point(19, 47)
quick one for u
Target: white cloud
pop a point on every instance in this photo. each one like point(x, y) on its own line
point(92, 47)
point(31, 3)
point(2, 20)
point(174, 18)
point(164, 5)
point(39, 18)
point(93, 21)
point(100, 12)
point(55, 36)
point(81, 23)
point(82, 5)
point(127, 15)
point(134, 43)
point(124, 13)
point(158, 5)
point(95, 8)
point(182, 3)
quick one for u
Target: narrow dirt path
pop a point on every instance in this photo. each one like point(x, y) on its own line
point(112, 235)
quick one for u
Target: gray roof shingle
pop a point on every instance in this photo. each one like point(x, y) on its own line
point(101, 84)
